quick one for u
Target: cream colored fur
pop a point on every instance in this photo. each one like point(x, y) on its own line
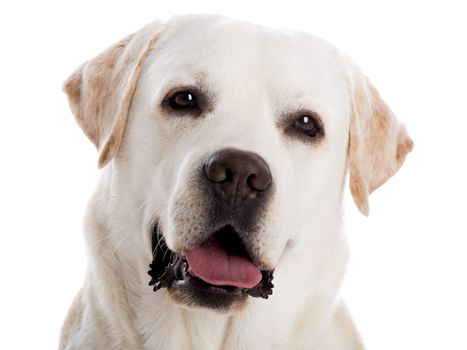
point(256, 75)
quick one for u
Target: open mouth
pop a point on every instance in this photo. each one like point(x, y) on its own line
point(214, 274)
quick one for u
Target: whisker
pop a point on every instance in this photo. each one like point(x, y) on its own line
point(118, 244)
point(108, 236)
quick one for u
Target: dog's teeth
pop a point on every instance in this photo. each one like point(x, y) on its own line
point(157, 286)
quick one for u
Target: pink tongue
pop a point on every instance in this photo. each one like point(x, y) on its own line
point(213, 264)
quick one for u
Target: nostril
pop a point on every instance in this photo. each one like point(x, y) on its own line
point(228, 175)
point(258, 182)
point(215, 172)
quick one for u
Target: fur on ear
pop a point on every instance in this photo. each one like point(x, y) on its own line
point(100, 91)
point(379, 143)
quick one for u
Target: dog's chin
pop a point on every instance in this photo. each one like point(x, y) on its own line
point(171, 270)
point(192, 292)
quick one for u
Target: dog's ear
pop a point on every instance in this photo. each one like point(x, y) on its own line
point(100, 91)
point(379, 143)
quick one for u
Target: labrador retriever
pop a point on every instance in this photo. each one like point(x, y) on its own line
point(224, 149)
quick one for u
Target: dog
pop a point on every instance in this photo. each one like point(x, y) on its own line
point(225, 148)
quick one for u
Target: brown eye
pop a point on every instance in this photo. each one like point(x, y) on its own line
point(182, 100)
point(307, 125)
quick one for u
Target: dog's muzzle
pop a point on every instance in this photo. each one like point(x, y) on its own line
point(220, 266)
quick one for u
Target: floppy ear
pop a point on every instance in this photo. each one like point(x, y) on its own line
point(100, 91)
point(378, 141)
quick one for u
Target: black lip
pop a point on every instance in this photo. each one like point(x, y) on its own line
point(170, 270)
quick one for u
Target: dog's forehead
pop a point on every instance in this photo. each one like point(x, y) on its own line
point(239, 60)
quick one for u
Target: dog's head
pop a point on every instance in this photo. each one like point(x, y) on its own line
point(233, 141)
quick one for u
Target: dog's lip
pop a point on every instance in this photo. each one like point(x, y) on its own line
point(198, 283)
point(170, 269)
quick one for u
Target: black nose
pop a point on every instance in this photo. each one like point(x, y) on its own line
point(237, 174)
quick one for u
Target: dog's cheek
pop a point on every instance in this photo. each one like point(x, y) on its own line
point(184, 209)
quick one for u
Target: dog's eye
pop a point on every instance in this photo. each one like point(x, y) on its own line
point(182, 100)
point(307, 125)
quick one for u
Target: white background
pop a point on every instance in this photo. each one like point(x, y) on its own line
point(406, 286)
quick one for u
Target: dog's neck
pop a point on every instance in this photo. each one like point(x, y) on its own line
point(149, 320)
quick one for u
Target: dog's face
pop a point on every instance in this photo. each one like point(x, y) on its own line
point(234, 140)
